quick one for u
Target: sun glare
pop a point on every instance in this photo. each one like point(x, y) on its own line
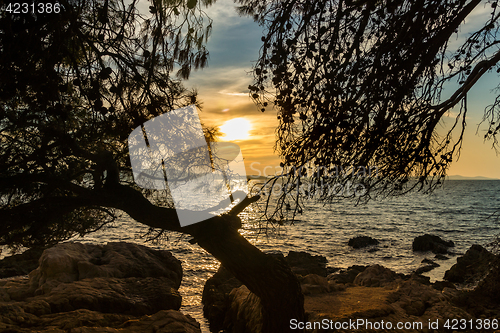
point(236, 129)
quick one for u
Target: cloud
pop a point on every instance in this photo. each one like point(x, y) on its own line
point(216, 79)
point(474, 21)
point(224, 14)
point(223, 92)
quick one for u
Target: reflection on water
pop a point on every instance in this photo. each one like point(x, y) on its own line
point(457, 212)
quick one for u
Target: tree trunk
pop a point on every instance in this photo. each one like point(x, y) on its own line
point(270, 279)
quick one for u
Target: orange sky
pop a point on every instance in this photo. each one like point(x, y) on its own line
point(223, 90)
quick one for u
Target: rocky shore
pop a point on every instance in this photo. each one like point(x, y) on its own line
point(470, 291)
point(123, 287)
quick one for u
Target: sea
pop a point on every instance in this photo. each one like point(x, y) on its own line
point(464, 211)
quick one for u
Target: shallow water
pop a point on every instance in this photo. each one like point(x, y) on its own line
point(459, 211)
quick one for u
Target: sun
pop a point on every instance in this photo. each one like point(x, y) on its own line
point(236, 129)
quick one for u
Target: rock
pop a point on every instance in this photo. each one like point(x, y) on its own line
point(215, 297)
point(334, 286)
point(303, 263)
point(86, 321)
point(427, 261)
point(16, 289)
point(375, 276)
point(431, 243)
point(315, 280)
point(244, 313)
point(96, 288)
point(411, 300)
point(426, 268)
point(424, 280)
point(430, 265)
point(314, 284)
point(490, 285)
point(441, 285)
point(472, 267)
point(441, 257)
point(331, 270)
point(406, 301)
point(416, 299)
point(166, 321)
point(20, 264)
point(68, 262)
point(134, 296)
point(216, 292)
point(362, 241)
point(484, 300)
point(348, 275)
point(352, 303)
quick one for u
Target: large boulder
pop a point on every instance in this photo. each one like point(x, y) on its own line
point(375, 276)
point(134, 296)
point(68, 262)
point(216, 293)
point(490, 285)
point(86, 321)
point(419, 300)
point(472, 267)
point(314, 284)
point(362, 241)
point(346, 275)
point(431, 243)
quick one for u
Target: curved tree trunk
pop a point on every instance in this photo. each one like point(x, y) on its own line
point(270, 279)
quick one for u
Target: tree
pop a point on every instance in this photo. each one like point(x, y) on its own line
point(358, 84)
point(74, 85)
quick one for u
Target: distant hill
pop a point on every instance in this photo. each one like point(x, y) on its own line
point(458, 177)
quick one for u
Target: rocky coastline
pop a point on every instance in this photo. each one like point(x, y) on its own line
point(124, 287)
point(470, 291)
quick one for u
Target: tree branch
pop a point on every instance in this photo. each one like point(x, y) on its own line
point(478, 71)
point(132, 202)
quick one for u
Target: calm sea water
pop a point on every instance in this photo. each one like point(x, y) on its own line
point(460, 211)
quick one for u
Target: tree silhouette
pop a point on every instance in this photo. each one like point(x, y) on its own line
point(357, 85)
point(74, 85)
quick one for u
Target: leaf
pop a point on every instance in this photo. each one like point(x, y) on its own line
point(191, 4)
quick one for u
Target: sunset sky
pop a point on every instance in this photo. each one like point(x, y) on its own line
point(223, 89)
